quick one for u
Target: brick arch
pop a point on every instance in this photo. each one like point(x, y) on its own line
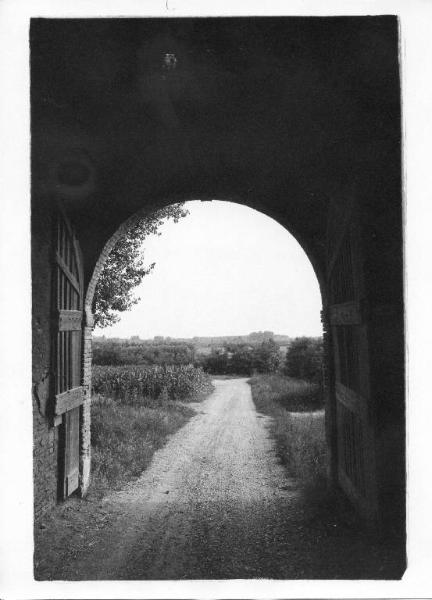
point(103, 257)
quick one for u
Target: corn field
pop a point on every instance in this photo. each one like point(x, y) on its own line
point(134, 384)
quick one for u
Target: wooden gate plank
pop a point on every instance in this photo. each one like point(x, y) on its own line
point(69, 320)
point(71, 451)
point(62, 264)
point(69, 400)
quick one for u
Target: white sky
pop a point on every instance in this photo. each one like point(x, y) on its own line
point(225, 269)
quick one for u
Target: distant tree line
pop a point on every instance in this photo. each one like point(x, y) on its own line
point(242, 359)
point(115, 353)
point(252, 338)
point(303, 359)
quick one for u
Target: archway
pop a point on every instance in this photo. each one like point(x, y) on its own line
point(258, 222)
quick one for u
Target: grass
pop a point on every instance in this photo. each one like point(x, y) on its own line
point(125, 437)
point(294, 395)
point(134, 410)
point(296, 408)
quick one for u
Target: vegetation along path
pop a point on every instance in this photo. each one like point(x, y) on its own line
point(217, 503)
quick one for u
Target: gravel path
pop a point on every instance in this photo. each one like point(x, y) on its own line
point(215, 503)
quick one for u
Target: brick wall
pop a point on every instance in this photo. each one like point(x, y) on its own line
point(85, 440)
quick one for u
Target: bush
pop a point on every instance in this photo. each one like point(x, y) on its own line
point(142, 353)
point(241, 359)
point(304, 359)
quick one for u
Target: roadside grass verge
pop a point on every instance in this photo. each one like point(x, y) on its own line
point(128, 425)
point(294, 395)
point(297, 424)
point(298, 429)
point(124, 439)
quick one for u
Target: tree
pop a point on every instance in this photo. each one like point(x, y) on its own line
point(125, 268)
point(267, 357)
point(241, 361)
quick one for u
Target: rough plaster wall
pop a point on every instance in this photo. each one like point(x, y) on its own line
point(45, 442)
point(45, 448)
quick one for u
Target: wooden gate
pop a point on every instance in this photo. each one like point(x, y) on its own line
point(355, 429)
point(68, 311)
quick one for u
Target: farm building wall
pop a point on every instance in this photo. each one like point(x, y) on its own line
point(45, 440)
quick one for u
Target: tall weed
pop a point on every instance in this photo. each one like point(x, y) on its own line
point(293, 395)
point(297, 423)
point(141, 385)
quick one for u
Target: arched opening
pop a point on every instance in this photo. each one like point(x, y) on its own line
point(307, 264)
point(230, 250)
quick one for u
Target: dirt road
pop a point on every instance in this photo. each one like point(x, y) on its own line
point(216, 503)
